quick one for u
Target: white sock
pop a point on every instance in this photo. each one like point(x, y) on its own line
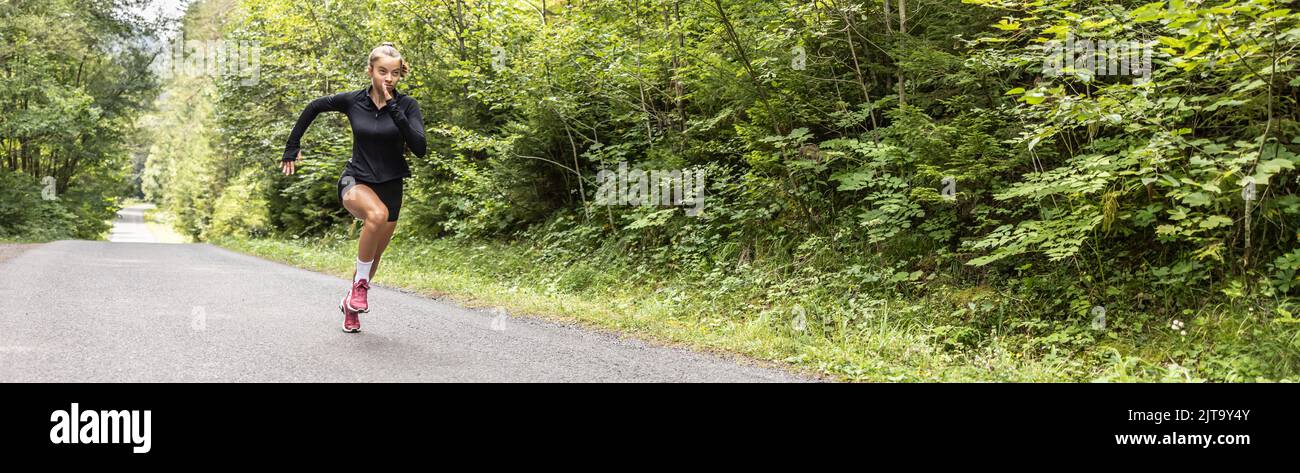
point(363, 271)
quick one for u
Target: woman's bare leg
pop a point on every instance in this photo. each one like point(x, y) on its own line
point(385, 236)
point(362, 202)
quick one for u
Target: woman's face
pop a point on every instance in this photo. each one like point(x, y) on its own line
point(384, 72)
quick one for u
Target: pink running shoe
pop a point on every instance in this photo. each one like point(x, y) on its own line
point(351, 322)
point(356, 298)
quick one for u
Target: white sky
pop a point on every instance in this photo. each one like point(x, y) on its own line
point(158, 9)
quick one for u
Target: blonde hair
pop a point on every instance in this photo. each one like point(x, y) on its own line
point(387, 49)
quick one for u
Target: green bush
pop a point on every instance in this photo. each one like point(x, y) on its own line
point(242, 209)
point(26, 215)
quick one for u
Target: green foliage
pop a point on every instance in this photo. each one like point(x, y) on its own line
point(26, 215)
point(73, 76)
point(942, 164)
point(1119, 164)
point(241, 211)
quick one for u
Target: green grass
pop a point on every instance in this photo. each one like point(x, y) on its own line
point(161, 225)
point(19, 239)
point(844, 335)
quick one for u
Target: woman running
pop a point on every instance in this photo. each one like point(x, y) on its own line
point(384, 124)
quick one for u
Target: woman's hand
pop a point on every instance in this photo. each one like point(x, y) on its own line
point(287, 166)
point(387, 95)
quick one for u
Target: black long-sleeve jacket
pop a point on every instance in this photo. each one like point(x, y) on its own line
point(379, 136)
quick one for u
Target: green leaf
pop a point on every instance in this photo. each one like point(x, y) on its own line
point(1215, 221)
point(1006, 25)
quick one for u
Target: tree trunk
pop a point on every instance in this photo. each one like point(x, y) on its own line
point(749, 66)
point(678, 89)
point(889, 22)
point(857, 70)
point(902, 28)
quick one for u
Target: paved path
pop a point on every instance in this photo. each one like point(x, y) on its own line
point(90, 311)
point(130, 227)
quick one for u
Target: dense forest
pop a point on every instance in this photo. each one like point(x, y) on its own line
point(891, 189)
point(74, 78)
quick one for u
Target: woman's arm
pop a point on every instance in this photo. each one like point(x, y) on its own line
point(332, 103)
point(410, 123)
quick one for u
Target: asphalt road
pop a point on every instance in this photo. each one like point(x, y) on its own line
point(130, 227)
point(101, 311)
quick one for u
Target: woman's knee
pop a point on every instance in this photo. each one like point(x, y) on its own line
point(377, 216)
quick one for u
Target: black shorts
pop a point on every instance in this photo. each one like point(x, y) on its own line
point(390, 193)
